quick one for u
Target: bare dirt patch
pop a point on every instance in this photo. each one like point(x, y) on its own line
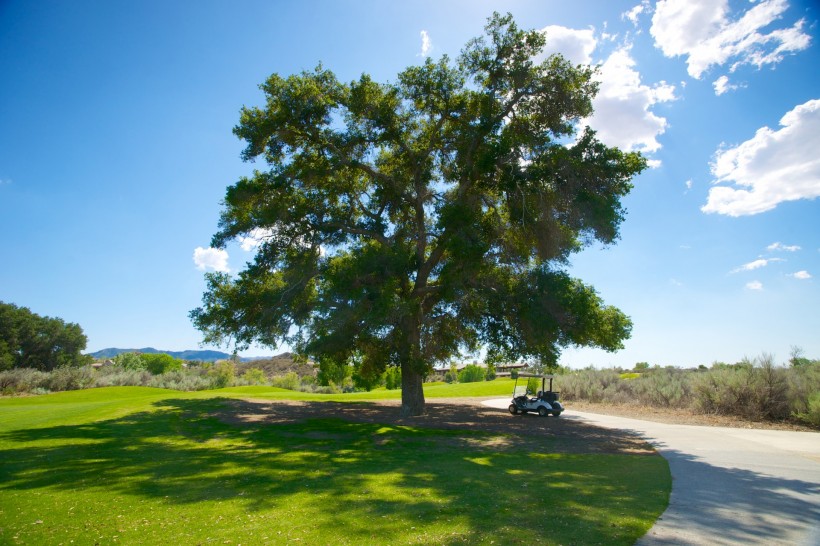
point(502, 430)
point(682, 416)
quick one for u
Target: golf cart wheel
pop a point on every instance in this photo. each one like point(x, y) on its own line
point(513, 409)
point(542, 411)
point(556, 414)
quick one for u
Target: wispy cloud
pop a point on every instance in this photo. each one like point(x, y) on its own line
point(426, 44)
point(706, 33)
point(802, 275)
point(756, 264)
point(781, 246)
point(770, 168)
point(754, 285)
point(211, 258)
point(5, 181)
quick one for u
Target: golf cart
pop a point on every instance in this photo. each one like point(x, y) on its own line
point(544, 402)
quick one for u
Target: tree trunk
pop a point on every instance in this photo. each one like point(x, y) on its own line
point(412, 391)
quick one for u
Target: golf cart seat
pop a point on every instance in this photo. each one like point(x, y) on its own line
point(549, 396)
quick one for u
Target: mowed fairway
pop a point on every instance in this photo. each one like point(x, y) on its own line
point(147, 466)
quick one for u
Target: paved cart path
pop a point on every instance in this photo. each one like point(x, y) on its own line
point(730, 486)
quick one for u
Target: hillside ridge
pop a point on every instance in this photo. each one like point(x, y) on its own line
point(190, 354)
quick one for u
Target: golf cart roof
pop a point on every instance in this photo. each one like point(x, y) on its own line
point(539, 376)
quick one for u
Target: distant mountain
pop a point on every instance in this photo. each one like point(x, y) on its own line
point(205, 356)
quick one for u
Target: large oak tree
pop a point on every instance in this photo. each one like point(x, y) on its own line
point(404, 222)
point(28, 340)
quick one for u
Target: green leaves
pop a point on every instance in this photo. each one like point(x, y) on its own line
point(28, 340)
point(405, 221)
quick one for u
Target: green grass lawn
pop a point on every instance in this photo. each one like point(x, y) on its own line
point(149, 466)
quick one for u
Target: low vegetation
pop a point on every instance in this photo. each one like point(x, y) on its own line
point(177, 474)
point(753, 389)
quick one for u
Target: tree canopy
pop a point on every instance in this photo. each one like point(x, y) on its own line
point(28, 340)
point(402, 223)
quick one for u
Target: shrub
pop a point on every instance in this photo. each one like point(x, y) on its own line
point(180, 381)
point(21, 380)
point(669, 388)
point(392, 378)
point(451, 376)
point(490, 375)
point(804, 383)
point(160, 363)
point(772, 388)
point(69, 379)
point(596, 386)
point(750, 389)
point(222, 374)
point(129, 361)
point(288, 381)
point(471, 373)
point(332, 371)
point(254, 376)
point(118, 377)
point(812, 414)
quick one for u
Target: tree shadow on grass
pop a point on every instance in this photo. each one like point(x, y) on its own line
point(363, 481)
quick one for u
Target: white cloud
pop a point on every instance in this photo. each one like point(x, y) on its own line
point(756, 264)
point(754, 285)
point(622, 109)
point(722, 85)
point(211, 258)
point(254, 238)
point(426, 45)
point(576, 45)
point(702, 31)
point(623, 115)
point(780, 246)
point(633, 14)
point(4, 181)
point(770, 168)
point(802, 275)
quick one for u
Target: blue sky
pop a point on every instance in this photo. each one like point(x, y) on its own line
point(116, 149)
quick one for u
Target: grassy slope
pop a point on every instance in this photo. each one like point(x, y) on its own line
point(140, 465)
